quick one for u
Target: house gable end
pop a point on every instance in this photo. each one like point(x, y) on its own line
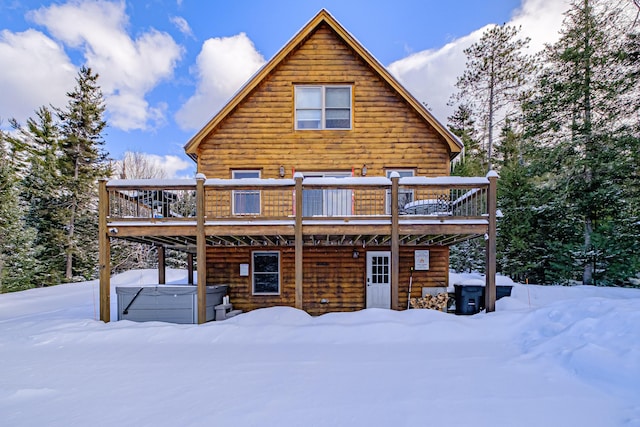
point(386, 131)
point(346, 49)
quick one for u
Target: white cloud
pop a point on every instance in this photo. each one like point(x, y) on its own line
point(171, 164)
point(431, 75)
point(540, 20)
point(36, 72)
point(222, 67)
point(154, 166)
point(182, 25)
point(128, 68)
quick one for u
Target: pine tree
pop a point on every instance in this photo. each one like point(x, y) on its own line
point(43, 195)
point(579, 122)
point(82, 162)
point(472, 159)
point(17, 260)
point(496, 72)
point(520, 248)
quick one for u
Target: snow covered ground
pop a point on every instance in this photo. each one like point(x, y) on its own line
point(549, 356)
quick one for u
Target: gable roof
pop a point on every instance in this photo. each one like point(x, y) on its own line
point(325, 17)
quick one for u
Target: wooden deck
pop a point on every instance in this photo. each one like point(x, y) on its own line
point(191, 215)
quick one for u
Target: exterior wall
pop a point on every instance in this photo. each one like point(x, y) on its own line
point(330, 273)
point(260, 133)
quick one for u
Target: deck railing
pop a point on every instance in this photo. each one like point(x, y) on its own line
point(274, 199)
point(190, 208)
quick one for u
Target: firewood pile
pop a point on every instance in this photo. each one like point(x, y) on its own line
point(433, 302)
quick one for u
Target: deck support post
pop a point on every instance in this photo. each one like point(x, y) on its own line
point(190, 268)
point(162, 269)
point(395, 242)
point(104, 245)
point(490, 286)
point(299, 243)
point(201, 249)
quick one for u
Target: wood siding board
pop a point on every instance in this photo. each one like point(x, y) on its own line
point(330, 274)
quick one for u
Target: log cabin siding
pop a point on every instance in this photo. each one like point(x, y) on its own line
point(260, 132)
point(329, 273)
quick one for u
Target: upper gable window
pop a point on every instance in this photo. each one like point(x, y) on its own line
point(323, 107)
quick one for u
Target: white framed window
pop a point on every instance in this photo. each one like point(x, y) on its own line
point(265, 268)
point(404, 196)
point(323, 107)
point(246, 202)
point(327, 202)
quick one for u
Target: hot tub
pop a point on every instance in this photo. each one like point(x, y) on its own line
point(166, 303)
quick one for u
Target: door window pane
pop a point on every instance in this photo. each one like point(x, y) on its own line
point(327, 202)
point(312, 203)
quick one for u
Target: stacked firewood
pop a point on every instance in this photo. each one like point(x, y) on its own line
point(434, 302)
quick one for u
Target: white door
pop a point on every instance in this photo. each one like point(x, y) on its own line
point(378, 279)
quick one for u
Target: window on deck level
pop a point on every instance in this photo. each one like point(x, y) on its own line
point(330, 202)
point(323, 107)
point(266, 273)
point(246, 202)
point(404, 196)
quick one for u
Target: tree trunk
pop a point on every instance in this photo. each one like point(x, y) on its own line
point(72, 223)
point(587, 275)
point(492, 85)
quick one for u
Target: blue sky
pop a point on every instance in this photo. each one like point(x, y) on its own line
point(166, 66)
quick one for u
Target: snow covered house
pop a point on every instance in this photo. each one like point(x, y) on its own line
point(323, 184)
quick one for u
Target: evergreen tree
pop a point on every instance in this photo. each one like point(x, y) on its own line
point(521, 250)
point(494, 79)
point(579, 122)
point(472, 159)
point(17, 260)
point(82, 162)
point(40, 140)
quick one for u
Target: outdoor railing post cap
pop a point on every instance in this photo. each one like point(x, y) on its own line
point(298, 175)
point(492, 174)
point(201, 176)
point(394, 174)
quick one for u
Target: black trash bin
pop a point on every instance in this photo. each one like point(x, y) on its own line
point(503, 291)
point(469, 299)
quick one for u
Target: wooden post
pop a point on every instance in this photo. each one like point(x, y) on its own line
point(299, 244)
point(162, 270)
point(104, 245)
point(190, 268)
point(490, 287)
point(201, 249)
point(395, 242)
